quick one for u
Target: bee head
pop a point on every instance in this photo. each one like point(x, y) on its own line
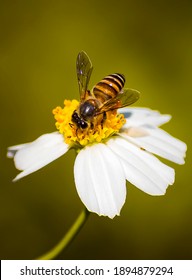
point(78, 120)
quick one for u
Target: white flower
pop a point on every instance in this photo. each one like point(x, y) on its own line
point(102, 168)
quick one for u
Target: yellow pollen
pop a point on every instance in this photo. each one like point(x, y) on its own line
point(98, 132)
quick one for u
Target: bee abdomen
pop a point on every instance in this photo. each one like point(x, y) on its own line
point(117, 79)
point(109, 87)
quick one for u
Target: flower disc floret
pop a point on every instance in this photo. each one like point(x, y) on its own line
point(100, 131)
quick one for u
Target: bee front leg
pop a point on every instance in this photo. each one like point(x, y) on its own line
point(71, 125)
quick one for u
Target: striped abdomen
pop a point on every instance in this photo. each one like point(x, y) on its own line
point(109, 87)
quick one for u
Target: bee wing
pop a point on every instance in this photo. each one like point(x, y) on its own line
point(125, 98)
point(84, 69)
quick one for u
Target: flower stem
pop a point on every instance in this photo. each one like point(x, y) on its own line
point(69, 236)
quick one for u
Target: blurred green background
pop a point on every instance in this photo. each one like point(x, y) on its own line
point(150, 42)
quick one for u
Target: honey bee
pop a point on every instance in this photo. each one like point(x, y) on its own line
point(107, 95)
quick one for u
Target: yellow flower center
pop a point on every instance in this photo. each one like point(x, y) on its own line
point(97, 130)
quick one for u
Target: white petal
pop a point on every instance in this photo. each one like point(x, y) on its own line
point(159, 142)
point(13, 149)
point(142, 169)
point(100, 180)
point(142, 116)
point(34, 155)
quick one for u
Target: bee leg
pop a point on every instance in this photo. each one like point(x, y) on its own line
point(71, 125)
point(77, 133)
point(103, 119)
point(104, 116)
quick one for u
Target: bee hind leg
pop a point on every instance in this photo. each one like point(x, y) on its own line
point(103, 119)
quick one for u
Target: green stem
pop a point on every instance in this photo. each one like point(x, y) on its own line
point(72, 232)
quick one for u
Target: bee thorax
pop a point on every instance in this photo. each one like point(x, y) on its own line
point(88, 109)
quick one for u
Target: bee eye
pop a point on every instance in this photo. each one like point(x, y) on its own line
point(83, 124)
point(74, 115)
